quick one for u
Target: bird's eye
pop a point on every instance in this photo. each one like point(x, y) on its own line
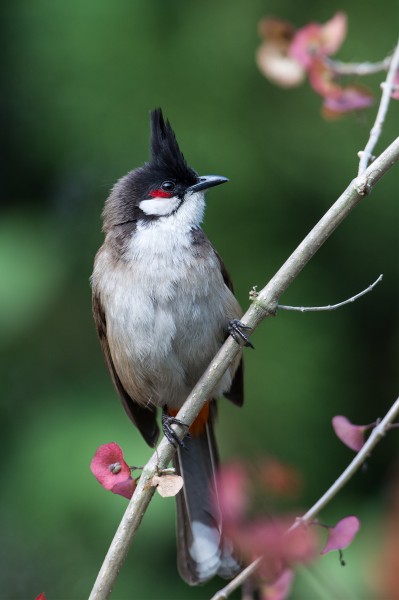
point(168, 186)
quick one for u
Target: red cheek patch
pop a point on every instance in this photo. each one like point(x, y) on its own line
point(160, 194)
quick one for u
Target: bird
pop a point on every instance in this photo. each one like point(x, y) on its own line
point(163, 305)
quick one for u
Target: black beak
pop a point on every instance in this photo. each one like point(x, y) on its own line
point(206, 182)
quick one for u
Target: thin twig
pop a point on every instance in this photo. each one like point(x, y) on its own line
point(262, 306)
point(376, 435)
point(360, 69)
point(330, 306)
point(366, 154)
point(237, 581)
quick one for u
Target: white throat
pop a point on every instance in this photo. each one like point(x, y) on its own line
point(184, 213)
point(171, 230)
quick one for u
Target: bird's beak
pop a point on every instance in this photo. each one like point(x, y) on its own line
point(206, 182)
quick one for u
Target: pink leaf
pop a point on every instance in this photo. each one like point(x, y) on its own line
point(334, 33)
point(353, 97)
point(108, 465)
point(351, 435)
point(279, 589)
point(342, 534)
point(322, 79)
point(124, 488)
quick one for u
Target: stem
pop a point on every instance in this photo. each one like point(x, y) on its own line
point(331, 306)
point(360, 69)
point(375, 132)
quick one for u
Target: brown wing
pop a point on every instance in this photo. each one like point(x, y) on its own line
point(236, 392)
point(143, 418)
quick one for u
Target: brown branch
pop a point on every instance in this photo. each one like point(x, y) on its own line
point(262, 306)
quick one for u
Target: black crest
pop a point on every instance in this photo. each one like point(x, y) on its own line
point(165, 152)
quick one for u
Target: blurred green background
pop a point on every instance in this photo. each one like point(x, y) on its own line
point(78, 81)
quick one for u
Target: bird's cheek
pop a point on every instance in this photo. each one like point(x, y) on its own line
point(159, 206)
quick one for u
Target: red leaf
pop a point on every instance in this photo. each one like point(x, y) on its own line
point(279, 589)
point(108, 466)
point(342, 534)
point(351, 435)
point(124, 488)
point(41, 597)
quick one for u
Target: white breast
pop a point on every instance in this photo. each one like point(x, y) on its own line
point(167, 311)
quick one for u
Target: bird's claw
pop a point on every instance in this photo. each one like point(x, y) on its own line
point(235, 328)
point(169, 433)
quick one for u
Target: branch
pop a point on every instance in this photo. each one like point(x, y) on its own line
point(330, 306)
point(366, 154)
point(264, 305)
point(376, 435)
point(359, 69)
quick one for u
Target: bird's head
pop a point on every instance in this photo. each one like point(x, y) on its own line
point(161, 187)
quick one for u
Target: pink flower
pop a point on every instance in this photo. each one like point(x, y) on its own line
point(110, 469)
point(286, 56)
point(315, 40)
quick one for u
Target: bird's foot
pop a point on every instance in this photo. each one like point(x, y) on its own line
point(169, 433)
point(235, 329)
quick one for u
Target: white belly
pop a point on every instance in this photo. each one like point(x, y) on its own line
point(166, 318)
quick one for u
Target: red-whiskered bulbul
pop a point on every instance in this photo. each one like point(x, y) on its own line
point(163, 305)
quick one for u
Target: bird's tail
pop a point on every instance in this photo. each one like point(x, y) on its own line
point(202, 550)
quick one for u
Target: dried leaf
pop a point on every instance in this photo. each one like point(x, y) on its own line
point(167, 485)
